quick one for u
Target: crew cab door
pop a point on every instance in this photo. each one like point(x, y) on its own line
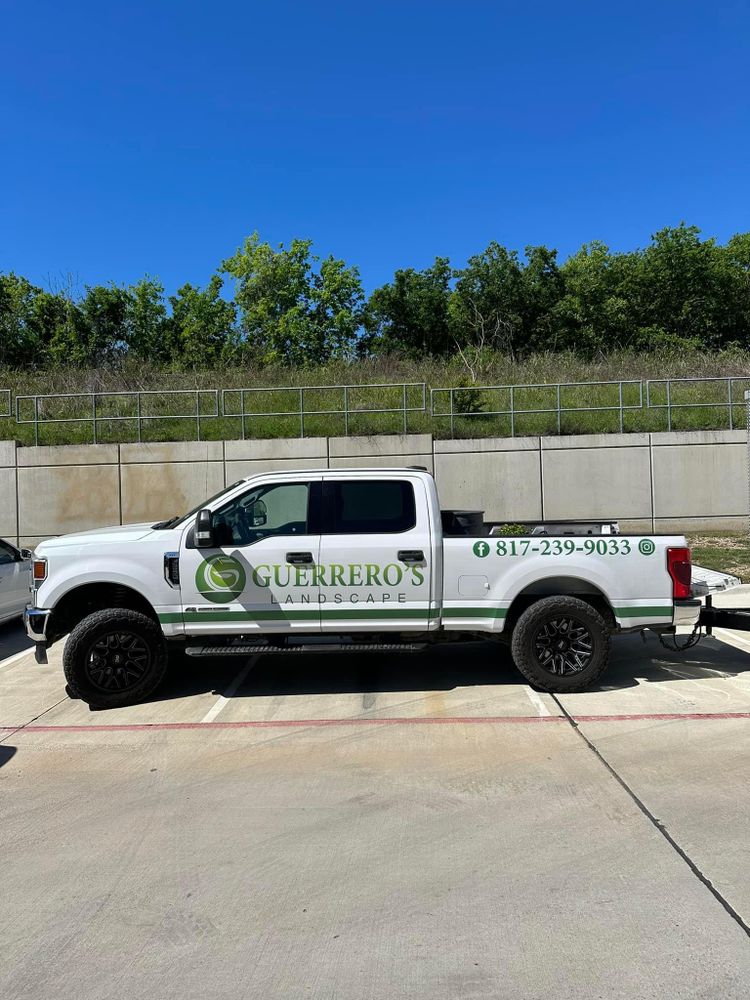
point(375, 555)
point(261, 573)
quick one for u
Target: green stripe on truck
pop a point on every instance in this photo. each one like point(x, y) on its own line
point(300, 615)
point(375, 614)
point(646, 611)
point(475, 612)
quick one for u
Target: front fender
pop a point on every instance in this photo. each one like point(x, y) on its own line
point(128, 573)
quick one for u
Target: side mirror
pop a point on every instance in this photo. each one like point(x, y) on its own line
point(258, 514)
point(26, 554)
point(204, 532)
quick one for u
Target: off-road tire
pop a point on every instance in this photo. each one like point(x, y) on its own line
point(531, 633)
point(115, 657)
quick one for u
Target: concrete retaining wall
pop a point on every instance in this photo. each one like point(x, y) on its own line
point(649, 482)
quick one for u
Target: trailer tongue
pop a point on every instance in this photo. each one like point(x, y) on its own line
point(733, 618)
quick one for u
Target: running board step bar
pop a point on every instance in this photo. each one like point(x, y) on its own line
point(256, 648)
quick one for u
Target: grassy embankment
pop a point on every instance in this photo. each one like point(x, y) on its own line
point(545, 370)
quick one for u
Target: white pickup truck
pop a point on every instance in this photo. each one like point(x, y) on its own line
point(350, 558)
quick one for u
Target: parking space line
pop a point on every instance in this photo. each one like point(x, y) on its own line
point(536, 700)
point(230, 692)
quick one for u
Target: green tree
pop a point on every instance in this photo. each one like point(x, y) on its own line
point(150, 334)
point(336, 306)
point(19, 335)
point(289, 312)
point(93, 333)
point(542, 288)
point(594, 313)
point(411, 315)
point(737, 253)
point(29, 319)
point(202, 324)
point(691, 288)
point(487, 305)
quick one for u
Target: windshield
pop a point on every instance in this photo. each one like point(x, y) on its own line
point(179, 518)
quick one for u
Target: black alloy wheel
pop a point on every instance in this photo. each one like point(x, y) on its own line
point(118, 661)
point(561, 643)
point(564, 646)
point(114, 657)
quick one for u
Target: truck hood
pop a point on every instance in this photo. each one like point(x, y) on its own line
point(98, 536)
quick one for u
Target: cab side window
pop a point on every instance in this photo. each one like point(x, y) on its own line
point(366, 507)
point(273, 509)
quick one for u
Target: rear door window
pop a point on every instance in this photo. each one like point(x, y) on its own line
point(366, 507)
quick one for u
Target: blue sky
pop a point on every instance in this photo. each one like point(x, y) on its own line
point(152, 137)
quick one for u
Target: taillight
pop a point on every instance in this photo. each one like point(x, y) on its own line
point(39, 570)
point(679, 568)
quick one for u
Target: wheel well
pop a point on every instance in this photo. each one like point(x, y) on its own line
point(566, 586)
point(77, 604)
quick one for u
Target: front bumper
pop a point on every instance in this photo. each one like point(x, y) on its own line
point(35, 622)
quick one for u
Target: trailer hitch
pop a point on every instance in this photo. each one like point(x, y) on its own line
point(710, 618)
point(735, 618)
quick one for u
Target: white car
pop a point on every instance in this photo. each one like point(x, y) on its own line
point(15, 579)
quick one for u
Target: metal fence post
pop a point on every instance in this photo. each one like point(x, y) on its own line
point(404, 405)
point(731, 412)
point(302, 412)
point(346, 411)
point(36, 420)
point(669, 405)
point(198, 413)
point(138, 415)
point(453, 423)
point(512, 413)
point(93, 411)
point(559, 415)
point(622, 415)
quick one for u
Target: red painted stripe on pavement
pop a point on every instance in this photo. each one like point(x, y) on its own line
point(407, 721)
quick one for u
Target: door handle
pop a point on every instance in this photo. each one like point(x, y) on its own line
point(411, 556)
point(299, 558)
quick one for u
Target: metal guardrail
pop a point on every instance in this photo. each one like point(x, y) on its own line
point(460, 399)
point(250, 406)
point(106, 406)
point(350, 402)
point(670, 388)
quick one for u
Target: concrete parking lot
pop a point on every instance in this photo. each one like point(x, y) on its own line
point(420, 826)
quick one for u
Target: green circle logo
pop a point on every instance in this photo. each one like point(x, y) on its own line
point(646, 547)
point(220, 579)
point(481, 549)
